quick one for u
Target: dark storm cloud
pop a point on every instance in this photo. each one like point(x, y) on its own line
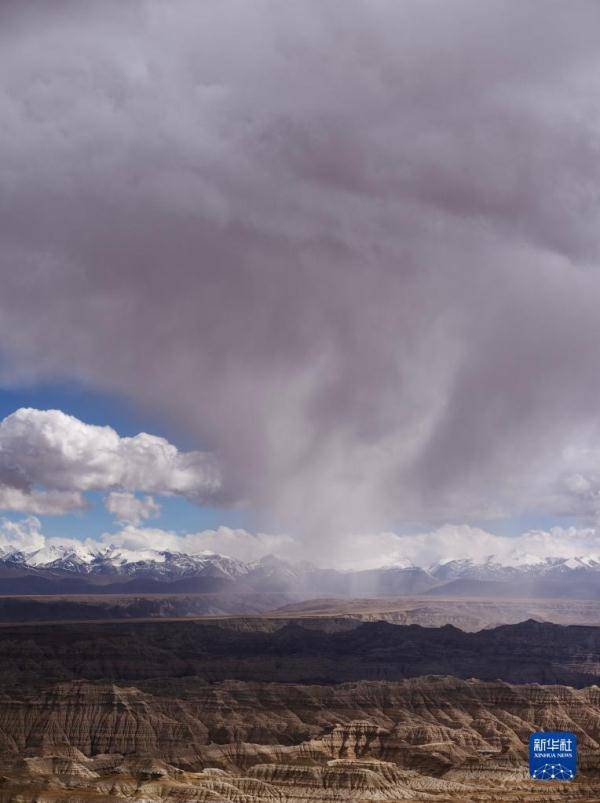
point(350, 247)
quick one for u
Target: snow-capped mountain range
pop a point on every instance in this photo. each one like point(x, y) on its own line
point(80, 558)
point(120, 561)
point(79, 569)
point(493, 568)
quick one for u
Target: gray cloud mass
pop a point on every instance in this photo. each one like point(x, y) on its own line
point(349, 247)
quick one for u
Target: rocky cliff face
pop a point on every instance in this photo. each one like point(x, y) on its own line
point(430, 739)
point(181, 720)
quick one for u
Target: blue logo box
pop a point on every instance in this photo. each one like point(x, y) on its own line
point(553, 756)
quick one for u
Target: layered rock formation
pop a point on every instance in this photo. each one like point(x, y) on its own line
point(424, 739)
point(184, 711)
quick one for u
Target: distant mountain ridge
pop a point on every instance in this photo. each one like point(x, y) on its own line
point(119, 561)
point(130, 651)
point(76, 569)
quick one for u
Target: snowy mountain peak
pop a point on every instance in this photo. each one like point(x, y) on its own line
point(51, 553)
point(113, 561)
point(512, 566)
point(399, 563)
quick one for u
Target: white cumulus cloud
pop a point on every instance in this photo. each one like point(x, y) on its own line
point(453, 542)
point(23, 536)
point(129, 509)
point(367, 551)
point(372, 550)
point(237, 543)
point(48, 459)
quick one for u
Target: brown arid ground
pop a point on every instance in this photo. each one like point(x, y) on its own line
point(206, 711)
point(424, 739)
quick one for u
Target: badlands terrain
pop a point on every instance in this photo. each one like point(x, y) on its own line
point(295, 712)
point(427, 739)
point(200, 678)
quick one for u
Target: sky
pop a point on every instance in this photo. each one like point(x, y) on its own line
point(316, 278)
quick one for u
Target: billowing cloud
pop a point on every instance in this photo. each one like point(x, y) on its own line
point(372, 550)
point(51, 503)
point(56, 452)
point(237, 543)
point(351, 249)
point(455, 542)
point(21, 536)
point(130, 509)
